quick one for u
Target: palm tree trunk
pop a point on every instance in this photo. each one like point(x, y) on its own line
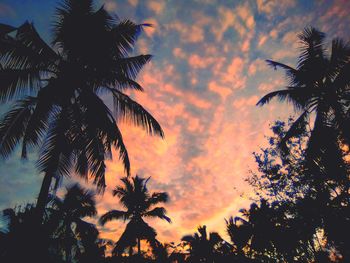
point(139, 246)
point(43, 196)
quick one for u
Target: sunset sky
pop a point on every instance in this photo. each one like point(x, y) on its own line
point(207, 74)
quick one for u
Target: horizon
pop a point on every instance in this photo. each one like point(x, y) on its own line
point(202, 85)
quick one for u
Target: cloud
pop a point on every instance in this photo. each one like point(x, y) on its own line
point(256, 66)
point(270, 7)
point(110, 6)
point(156, 6)
point(245, 102)
point(196, 61)
point(188, 34)
point(179, 53)
point(241, 19)
point(150, 31)
point(224, 92)
point(133, 2)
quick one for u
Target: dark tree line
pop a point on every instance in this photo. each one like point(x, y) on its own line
point(301, 212)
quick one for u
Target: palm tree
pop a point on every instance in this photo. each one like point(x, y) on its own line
point(139, 204)
point(59, 88)
point(320, 85)
point(239, 232)
point(70, 231)
point(202, 247)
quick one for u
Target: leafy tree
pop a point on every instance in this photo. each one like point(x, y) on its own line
point(72, 236)
point(139, 203)
point(301, 211)
point(203, 248)
point(60, 87)
point(320, 85)
point(19, 233)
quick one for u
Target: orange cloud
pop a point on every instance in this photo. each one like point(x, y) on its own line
point(133, 2)
point(245, 102)
point(179, 53)
point(156, 6)
point(188, 34)
point(224, 92)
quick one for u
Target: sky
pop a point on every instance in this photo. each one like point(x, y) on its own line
point(203, 83)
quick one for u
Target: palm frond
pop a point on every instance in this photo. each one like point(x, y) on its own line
point(27, 50)
point(131, 66)
point(295, 77)
point(18, 83)
point(5, 29)
point(340, 56)
point(299, 97)
point(113, 215)
point(125, 34)
point(159, 197)
point(159, 212)
point(128, 109)
point(13, 125)
point(56, 153)
point(312, 50)
point(38, 122)
point(98, 119)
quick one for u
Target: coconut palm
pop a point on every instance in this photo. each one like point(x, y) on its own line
point(318, 85)
point(202, 247)
point(60, 90)
point(239, 232)
point(71, 234)
point(139, 203)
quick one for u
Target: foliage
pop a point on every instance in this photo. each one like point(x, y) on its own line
point(139, 203)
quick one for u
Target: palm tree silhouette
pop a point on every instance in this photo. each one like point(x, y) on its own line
point(240, 233)
point(139, 203)
point(70, 231)
point(59, 89)
point(319, 84)
point(202, 247)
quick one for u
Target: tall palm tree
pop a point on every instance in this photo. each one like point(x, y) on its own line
point(318, 85)
point(59, 88)
point(70, 231)
point(139, 203)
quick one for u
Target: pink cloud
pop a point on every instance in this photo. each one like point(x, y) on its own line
point(269, 7)
point(222, 91)
point(262, 40)
point(133, 2)
point(150, 31)
point(245, 102)
point(197, 61)
point(156, 6)
point(179, 53)
point(188, 34)
point(256, 66)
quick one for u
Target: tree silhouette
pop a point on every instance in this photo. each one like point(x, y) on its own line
point(320, 85)
point(60, 89)
point(19, 230)
point(139, 203)
point(201, 247)
point(71, 234)
point(240, 233)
